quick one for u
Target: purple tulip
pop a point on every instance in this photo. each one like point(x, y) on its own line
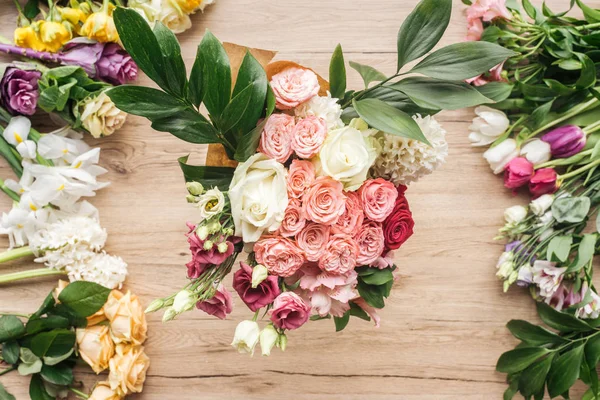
point(19, 90)
point(565, 141)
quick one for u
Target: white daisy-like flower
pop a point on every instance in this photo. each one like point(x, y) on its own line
point(101, 268)
point(325, 107)
point(404, 160)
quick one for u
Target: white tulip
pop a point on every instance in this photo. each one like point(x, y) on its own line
point(487, 126)
point(246, 336)
point(540, 205)
point(499, 156)
point(536, 151)
point(515, 214)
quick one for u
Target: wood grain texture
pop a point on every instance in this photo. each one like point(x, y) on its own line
point(443, 327)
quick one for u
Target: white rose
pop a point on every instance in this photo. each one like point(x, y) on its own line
point(501, 155)
point(536, 151)
point(174, 19)
point(540, 205)
point(326, 108)
point(211, 203)
point(515, 214)
point(258, 195)
point(487, 126)
point(346, 156)
point(100, 116)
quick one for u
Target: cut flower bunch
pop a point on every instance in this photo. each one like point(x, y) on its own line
point(317, 200)
point(543, 136)
point(77, 323)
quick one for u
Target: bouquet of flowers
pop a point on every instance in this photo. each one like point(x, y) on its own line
point(81, 321)
point(543, 134)
point(318, 197)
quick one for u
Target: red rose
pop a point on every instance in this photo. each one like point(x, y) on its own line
point(398, 227)
point(258, 297)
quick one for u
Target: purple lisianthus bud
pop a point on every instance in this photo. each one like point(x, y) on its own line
point(565, 141)
point(19, 90)
point(116, 65)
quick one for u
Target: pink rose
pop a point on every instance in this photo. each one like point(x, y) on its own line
point(324, 202)
point(488, 10)
point(474, 30)
point(276, 137)
point(352, 217)
point(289, 311)
point(293, 87)
point(340, 255)
point(258, 297)
point(293, 219)
point(301, 176)
point(313, 239)
point(281, 256)
point(378, 197)
point(219, 305)
point(308, 137)
point(371, 243)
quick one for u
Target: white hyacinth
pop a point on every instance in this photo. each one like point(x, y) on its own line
point(404, 160)
point(74, 231)
point(324, 107)
point(101, 268)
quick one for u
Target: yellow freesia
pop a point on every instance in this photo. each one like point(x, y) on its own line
point(188, 6)
point(101, 27)
point(54, 35)
point(27, 37)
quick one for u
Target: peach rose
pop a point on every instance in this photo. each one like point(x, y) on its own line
point(102, 391)
point(308, 136)
point(128, 369)
point(324, 202)
point(313, 239)
point(276, 137)
point(301, 176)
point(293, 87)
point(293, 220)
point(371, 243)
point(127, 318)
point(340, 255)
point(379, 198)
point(281, 256)
point(95, 346)
point(352, 217)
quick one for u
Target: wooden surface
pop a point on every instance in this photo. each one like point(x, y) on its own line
point(443, 327)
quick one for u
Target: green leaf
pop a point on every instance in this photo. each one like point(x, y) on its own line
point(533, 378)
point(587, 78)
point(533, 335)
point(591, 15)
point(560, 246)
point(571, 209)
point(9, 156)
point(565, 371)
point(209, 176)
point(216, 74)
point(388, 119)
point(358, 312)
point(37, 391)
point(145, 102)
point(11, 328)
point(592, 351)
point(189, 126)
point(4, 395)
point(560, 321)
point(36, 325)
point(59, 359)
point(422, 29)
point(30, 363)
point(171, 54)
point(61, 375)
point(31, 9)
point(585, 252)
point(531, 11)
point(195, 83)
point(74, 318)
point(497, 91)
point(54, 343)
point(48, 303)
point(368, 73)
point(85, 298)
point(461, 61)
point(440, 94)
point(337, 73)
point(371, 294)
point(141, 44)
point(518, 359)
point(379, 277)
point(341, 322)
point(10, 351)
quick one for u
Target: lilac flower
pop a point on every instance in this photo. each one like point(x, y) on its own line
point(19, 90)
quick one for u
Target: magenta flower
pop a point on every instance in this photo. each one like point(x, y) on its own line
point(219, 305)
point(19, 90)
point(565, 141)
point(202, 258)
point(255, 298)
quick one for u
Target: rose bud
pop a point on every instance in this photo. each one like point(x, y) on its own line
point(543, 182)
point(95, 346)
point(517, 173)
point(289, 311)
point(565, 141)
point(255, 297)
point(19, 90)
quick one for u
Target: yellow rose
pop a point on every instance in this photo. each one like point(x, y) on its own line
point(102, 391)
point(95, 346)
point(101, 27)
point(100, 116)
point(72, 15)
point(127, 318)
point(27, 37)
point(128, 369)
point(54, 35)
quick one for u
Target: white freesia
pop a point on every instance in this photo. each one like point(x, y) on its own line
point(499, 156)
point(16, 133)
point(403, 160)
point(542, 204)
point(515, 214)
point(211, 203)
point(246, 336)
point(324, 107)
point(536, 151)
point(100, 116)
point(19, 225)
point(258, 195)
point(61, 150)
point(487, 126)
point(547, 276)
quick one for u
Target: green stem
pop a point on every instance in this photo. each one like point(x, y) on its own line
point(34, 273)
point(579, 170)
point(105, 4)
point(360, 94)
point(15, 254)
point(80, 394)
point(565, 117)
point(6, 371)
point(16, 315)
point(10, 193)
point(592, 128)
point(589, 26)
point(255, 315)
point(558, 161)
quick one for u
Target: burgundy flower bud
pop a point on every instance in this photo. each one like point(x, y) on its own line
point(19, 90)
point(565, 141)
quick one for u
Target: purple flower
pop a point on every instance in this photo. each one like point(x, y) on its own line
point(565, 141)
point(19, 90)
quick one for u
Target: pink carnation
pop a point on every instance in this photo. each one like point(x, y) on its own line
point(379, 198)
point(289, 311)
point(293, 219)
point(293, 87)
point(340, 255)
point(371, 243)
point(352, 217)
point(281, 256)
point(313, 239)
point(308, 137)
point(276, 137)
point(219, 305)
point(324, 202)
point(301, 176)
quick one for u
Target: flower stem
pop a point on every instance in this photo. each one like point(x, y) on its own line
point(16, 315)
point(592, 128)
point(6, 371)
point(34, 273)
point(579, 170)
point(80, 394)
point(565, 117)
point(29, 53)
point(9, 192)
point(14, 254)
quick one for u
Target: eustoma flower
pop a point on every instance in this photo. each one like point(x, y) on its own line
point(19, 90)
